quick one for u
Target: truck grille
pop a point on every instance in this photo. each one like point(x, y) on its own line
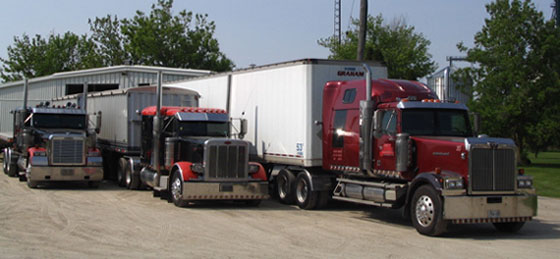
point(227, 161)
point(492, 170)
point(66, 151)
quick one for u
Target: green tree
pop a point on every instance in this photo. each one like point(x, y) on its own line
point(163, 39)
point(107, 35)
point(158, 39)
point(38, 56)
point(516, 76)
point(404, 51)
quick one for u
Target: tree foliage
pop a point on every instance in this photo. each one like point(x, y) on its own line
point(38, 56)
point(159, 38)
point(404, 51)
point(516, 79)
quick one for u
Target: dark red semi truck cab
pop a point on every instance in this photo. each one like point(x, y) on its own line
point(421, 153)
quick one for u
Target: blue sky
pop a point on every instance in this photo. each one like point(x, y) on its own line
point(262, 31)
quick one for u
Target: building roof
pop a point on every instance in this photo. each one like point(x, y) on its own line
point(113, 69)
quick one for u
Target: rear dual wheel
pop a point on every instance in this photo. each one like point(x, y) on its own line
point(285, 181)
point(306, 198)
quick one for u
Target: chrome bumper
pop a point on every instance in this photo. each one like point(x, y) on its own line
point(225, 191)
point(53, 173)
point(482, 209)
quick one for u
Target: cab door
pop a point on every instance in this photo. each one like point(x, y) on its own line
point(384, 146)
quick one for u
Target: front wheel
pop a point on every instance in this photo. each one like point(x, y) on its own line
point(427, 211)
point(305, 198)
point(177, 191)
point(509, 227)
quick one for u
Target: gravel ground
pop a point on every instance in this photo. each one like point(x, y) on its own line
point(73, 221)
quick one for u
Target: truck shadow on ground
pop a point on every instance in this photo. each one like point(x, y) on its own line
point(79, 186)
point(532, 230)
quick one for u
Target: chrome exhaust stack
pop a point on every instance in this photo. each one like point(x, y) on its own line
point(366, 114)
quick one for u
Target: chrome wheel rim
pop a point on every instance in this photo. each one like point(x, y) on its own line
point(176, 189)
point(424, 211)
point(128, 177)
point(302, 191)
point(282, 186)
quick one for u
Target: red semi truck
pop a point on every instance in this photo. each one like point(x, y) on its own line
point(391, 143)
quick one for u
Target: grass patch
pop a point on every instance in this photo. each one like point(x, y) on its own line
point(546, 173)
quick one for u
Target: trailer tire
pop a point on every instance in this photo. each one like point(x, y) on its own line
point(285, 181)
point(122, 164)
point(426, 210)
point(509, 227)
point(94, 185)
point(305, 198)
point(132, 181)
point(10, 168)
point(176, 191)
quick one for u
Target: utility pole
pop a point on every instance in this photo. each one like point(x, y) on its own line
point(556, 12)
point(363, 29)
point(337, 35)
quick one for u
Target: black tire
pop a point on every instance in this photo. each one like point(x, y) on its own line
point(11, 167)
point(305, 198)
point(94, 185)
point(176, 191)
point(131, 180)
point(285, 181)
point(122, 164)
point(426, 211)
point(5, 161)
point(509, 227)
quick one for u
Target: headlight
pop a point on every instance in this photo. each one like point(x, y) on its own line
point(525, 182)
point(454, 183)
point(253, 168)
point(197, 168)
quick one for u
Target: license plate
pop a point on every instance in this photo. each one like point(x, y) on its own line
point(493, 214)
point(226, 188)
point(67, 172)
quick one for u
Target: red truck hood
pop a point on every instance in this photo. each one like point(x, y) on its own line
point(447, 153)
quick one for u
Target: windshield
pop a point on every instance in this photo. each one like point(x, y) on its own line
point(60, 121)
point(203, 128)
point(430, 122)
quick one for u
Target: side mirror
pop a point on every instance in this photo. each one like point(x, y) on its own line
point(377, 120)
point(98, 122)
point(242, 128)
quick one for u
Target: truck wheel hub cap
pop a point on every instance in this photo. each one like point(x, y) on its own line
point(424, 211)
point(176, 189)
point(302, 191)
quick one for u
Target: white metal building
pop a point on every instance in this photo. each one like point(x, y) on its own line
point(442, 83)
point(46, 88)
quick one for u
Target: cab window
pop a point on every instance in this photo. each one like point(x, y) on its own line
point(389, 122)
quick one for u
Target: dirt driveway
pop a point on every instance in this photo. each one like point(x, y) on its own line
point(69, 221)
